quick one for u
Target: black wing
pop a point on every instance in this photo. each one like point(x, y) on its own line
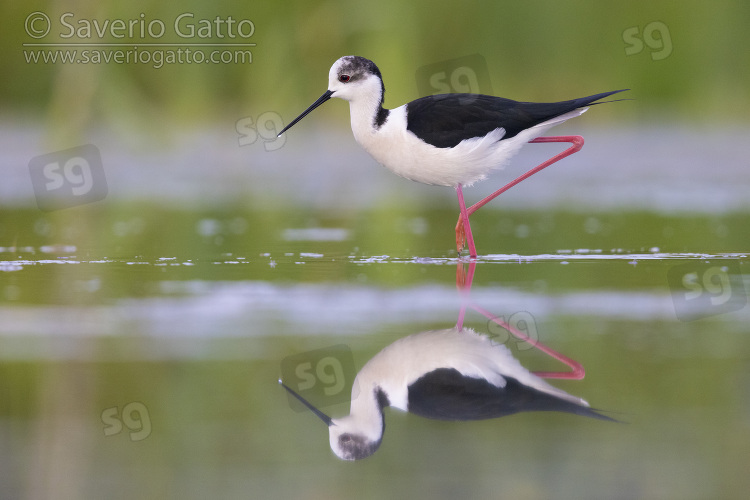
point(445, 394)
point(445, 120)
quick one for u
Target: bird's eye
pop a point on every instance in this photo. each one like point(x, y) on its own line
point(344, 78)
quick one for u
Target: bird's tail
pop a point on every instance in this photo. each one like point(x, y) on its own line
point(589, 101)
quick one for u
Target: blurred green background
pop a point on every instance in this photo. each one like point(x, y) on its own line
point(534, 50)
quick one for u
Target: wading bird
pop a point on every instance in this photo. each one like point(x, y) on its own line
point(448, 139)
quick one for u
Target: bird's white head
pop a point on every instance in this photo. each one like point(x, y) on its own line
point(357, 435)
point(354, 79)
point(350, 439)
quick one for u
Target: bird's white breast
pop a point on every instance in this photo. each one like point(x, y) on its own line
point(402, 152)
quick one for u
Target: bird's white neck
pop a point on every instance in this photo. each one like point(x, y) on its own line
point(364, 114)
point(366, 414)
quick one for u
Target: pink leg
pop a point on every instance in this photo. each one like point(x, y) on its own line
point(577, 144)
point(577, 372)
point(465, 223)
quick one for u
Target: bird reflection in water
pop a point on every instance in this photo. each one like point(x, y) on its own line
point(451, 374)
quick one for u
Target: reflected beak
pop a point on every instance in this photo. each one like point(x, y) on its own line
point(327, 95)
point(325, 418)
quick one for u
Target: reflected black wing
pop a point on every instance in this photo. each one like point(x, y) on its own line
point(445, 120)
point(445, 394)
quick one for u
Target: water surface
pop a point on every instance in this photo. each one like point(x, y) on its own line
point(142, 337)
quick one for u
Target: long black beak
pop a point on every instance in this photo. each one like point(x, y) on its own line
point(325, 418)
point(327, 95)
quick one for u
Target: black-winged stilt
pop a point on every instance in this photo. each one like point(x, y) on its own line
point(452, 374)
point(450, 139)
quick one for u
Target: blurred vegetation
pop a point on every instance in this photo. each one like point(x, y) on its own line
point(534, 51)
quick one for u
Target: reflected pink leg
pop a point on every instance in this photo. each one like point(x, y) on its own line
point(463, 283)
point(577, 372)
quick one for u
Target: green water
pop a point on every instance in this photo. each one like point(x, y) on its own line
point(140, 350)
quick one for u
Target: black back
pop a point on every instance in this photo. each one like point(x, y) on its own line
point(445, 394)
point(445, 120)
